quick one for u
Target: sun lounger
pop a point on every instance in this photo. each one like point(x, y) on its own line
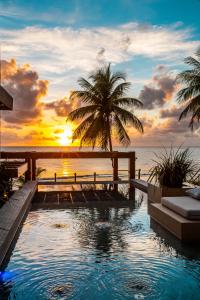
point(184, 206)
point(178, 215)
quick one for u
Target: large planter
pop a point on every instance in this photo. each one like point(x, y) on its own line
point(155, 192)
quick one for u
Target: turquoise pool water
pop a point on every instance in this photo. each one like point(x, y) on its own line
point(99, 254)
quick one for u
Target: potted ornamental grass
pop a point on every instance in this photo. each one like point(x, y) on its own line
point(172, 169)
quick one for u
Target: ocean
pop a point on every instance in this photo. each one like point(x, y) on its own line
point(103, 167)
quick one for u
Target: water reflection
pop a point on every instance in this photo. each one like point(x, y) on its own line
point(172, 245)
point(103, 228)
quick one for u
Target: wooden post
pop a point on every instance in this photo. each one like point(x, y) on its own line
point(95, 176)
point(139, 173)
point(115, 172)
point(28, 172)
point(74, 177)
point(131, 171)
point(33, 169)
point(55, 177)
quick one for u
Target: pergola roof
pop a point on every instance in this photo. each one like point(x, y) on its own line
point(6, 100)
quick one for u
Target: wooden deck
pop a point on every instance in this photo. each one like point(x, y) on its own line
point(70, 199)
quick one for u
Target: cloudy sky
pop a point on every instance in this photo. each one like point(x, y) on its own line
point(47, 45)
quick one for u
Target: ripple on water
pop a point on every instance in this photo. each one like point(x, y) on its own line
point(96, 254)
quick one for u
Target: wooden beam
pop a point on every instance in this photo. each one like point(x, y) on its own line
point(28, 172)
point(33, 169)
point(15, 169)
point(6, 100)
point(115, 172)
point(132, 166)
point(77, 155)
point(131, 170)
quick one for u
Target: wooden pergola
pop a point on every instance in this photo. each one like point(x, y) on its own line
point(6, 100)
point(31, 158)
point(13, 168)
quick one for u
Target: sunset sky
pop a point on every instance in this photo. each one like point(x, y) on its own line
point(47, 45)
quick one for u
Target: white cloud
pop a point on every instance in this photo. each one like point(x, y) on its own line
point(64, 54)
point(67, 48)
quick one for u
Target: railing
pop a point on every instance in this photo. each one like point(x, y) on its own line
point(140, 173)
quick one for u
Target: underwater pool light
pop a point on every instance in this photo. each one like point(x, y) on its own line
point(6, 275)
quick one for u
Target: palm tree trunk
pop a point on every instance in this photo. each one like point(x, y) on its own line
point(110, 138)
point(110, 141)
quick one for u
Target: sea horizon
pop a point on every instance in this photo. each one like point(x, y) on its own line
point(145, 157)
point(182, 146)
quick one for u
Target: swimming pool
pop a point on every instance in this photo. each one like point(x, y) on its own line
point(98, 254)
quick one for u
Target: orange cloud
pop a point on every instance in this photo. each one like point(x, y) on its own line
point(27, 89)
point(63, 106)
point(160, 90)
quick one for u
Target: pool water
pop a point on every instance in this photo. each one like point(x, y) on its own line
point(99, 254)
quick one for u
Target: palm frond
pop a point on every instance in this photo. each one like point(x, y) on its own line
point(39, 171)
point(116, 77)
point(82, 112)
point(120, 90)
point(189, 77)
point(193, 105)
point(128, 101)
point(86, 97)
point(191, 92)
point(93, 132)
point(79, 131)
point(188, 93)
point(195, 117)
point(121, 132)
point(85, 84)
point(128, 118)
point(192, 62)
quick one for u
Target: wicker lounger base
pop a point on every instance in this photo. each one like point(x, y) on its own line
point(183, 229)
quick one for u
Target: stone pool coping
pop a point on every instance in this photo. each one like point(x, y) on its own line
point(12, 215)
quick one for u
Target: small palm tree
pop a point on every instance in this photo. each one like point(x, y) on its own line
point(190, 94)
point(105, 111)
point(21, 180)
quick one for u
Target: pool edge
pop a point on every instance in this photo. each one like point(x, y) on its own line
point(12, 215)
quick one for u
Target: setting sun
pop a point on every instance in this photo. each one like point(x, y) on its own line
point(65, 138)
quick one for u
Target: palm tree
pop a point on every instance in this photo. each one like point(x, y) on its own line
point(105, 99)
point(190, 94)
point(21, 180)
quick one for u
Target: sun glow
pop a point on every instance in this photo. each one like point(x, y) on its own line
point(65, 138)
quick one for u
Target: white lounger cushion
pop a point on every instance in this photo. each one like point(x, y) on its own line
point(184, 206)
